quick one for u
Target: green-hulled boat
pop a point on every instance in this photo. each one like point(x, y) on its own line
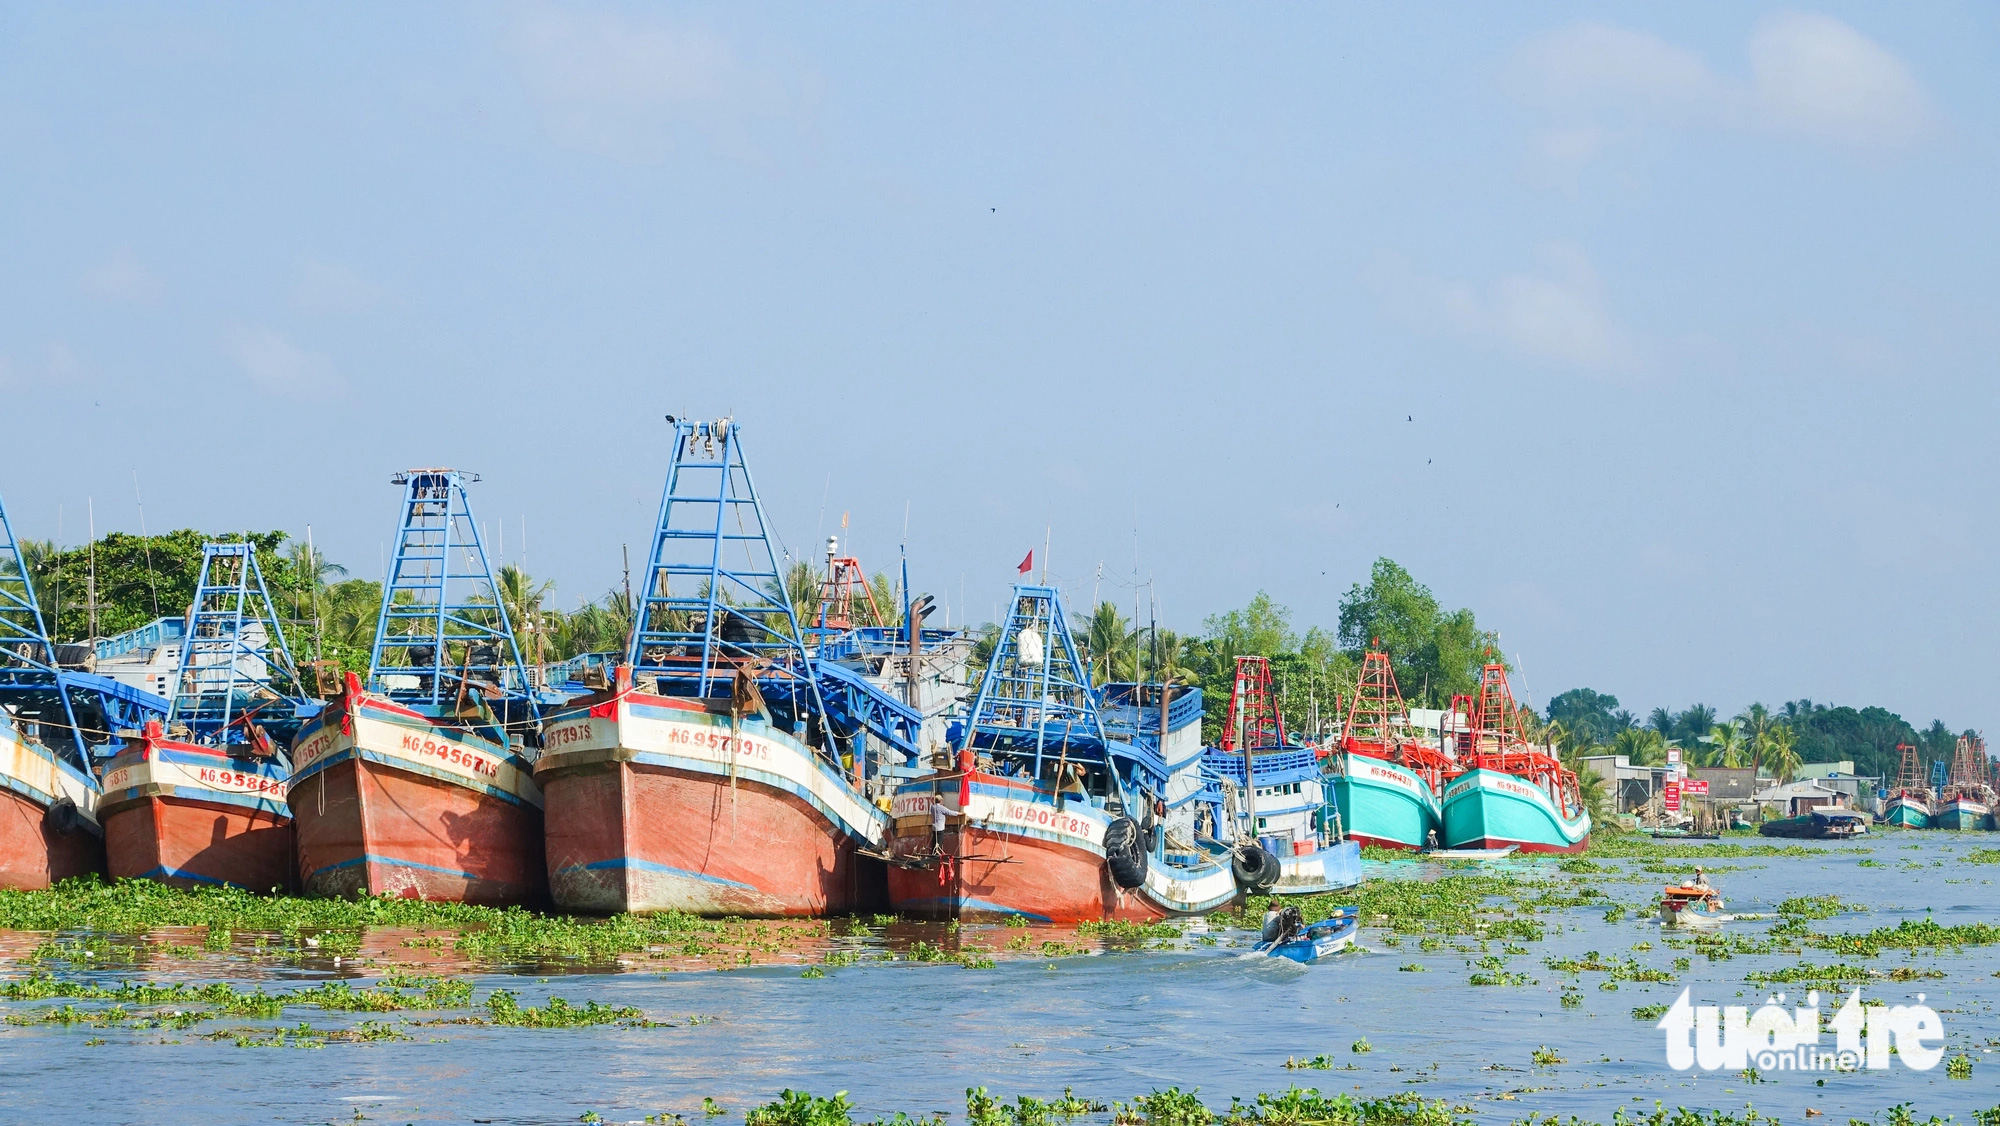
point(1382, 803)
point(1486, 808)
point(1962, 811)
point(1908, 810)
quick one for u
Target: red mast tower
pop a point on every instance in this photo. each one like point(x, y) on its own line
point(1254, 721)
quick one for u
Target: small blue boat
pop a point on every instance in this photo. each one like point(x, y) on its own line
point(1309, 942)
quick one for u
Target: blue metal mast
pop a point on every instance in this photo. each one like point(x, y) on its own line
point(713, 599)
point(27, 656)
point(443, 636)
point(234, 662)
point(1036, 699)
point(713, 604)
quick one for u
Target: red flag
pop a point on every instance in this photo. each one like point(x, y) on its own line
point(1028, 564)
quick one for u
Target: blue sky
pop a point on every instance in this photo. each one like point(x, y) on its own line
point(1662, 336)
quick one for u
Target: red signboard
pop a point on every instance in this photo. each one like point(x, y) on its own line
point(1673, 797)
point(1695, 786)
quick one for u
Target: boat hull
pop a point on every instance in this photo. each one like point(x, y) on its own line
point(1322, 870)
point(1907, 812)
point(1961, 814)
point(1817, 826)
point(1487, 809)
point(1382, 804)
point(33, 854)
point(1015, 853)
point(386, 801)
point(189, 815)
point(657, 804)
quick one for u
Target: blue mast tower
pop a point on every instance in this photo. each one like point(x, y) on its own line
point(443, 643)
point(714, 609)
point(1036, 701)
point(235, 667)
point(27, 658)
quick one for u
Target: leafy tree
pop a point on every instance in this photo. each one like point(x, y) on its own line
point(1588, 714)
point(1437, 653)
point(1726, 745)
point(140, 578)
point(1661, 722)
point(1693, 725)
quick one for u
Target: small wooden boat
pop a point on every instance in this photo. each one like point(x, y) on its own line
point(1695, 907)
point(1299, 941)
point(1500, 853)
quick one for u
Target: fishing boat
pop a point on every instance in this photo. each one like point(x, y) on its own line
point(1386, 779)
point(1514, 793)
point(1826, 823)
point(200, 797)
point(1967, 799)
point(58, 722)
point(1909, 804)
point(1275, 791)
point(1692, 907)
point(1043, 815)
point(419, 782)
point(1295, 940)
point(724, 770)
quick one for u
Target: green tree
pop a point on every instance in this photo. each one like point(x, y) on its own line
point(1108, 645)
point(135, 574)
point(1587, 713)
point(1726, 745)
point(1437, 653)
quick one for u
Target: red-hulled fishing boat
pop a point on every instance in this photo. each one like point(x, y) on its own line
point(1044, 816)
point(56, 725)
point(200, 798)
point(724, 770)
point(420, 784)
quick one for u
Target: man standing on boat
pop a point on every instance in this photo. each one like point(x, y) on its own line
point(940, 810)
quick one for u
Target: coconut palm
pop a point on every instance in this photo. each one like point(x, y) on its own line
point(1780, 753)
point(1726, 745)
point(1108, 644)
point(1661, 722)
point(1641, 746)
point(1591, 788)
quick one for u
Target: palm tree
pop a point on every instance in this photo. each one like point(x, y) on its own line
point(1641, 746)
point(1108, 644)
point(1661, 722)
point(1695, 722)
point(801, 588)
point(1596, 796)
point(1781, 753)
point(1726, 744)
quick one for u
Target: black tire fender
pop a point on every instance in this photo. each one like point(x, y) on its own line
point(1125, 852)
point(1254, 868)
point(62, 817)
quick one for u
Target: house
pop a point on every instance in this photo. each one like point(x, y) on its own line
point(1801, 797)
point(1631, 787)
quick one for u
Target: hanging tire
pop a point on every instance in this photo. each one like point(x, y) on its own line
point(62, 817)
point(1125, 853)
point(1254, 868)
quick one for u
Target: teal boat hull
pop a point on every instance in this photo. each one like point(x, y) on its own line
point(1487, 809)
point(1908, 812)
point(1962, 815)
point(1383, 804)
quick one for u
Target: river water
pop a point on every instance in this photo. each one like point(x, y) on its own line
point(1111, 1025)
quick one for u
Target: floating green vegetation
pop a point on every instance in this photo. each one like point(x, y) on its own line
point(1649, 1012)
point(1620, 969)
point(1634, 846)
point(1959, 1067)
point(1457, 904)
point(504, 1008)
point(982, 1109)
point(1321, 1062)
point(1410, 968)
point(1910, 934)
point(1546, 1056)
point(1983, 856)
point(1119, 930)
point(1499, 977)
point(1836, 974)
point(1815, 907)
point(1360, 1046)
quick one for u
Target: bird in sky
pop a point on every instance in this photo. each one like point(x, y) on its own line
point(1411, 418)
